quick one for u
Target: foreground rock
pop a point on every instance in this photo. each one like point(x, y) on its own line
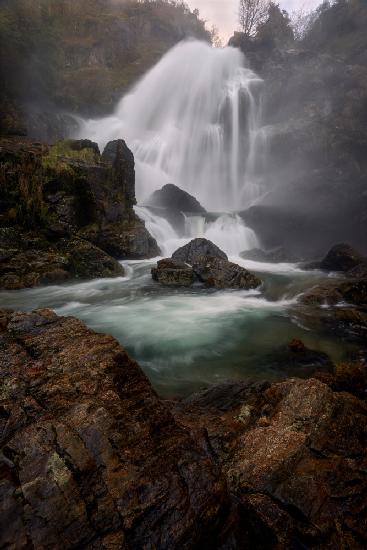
point(171, 273)
point(56, 198)
point(90, 457)
point(294, 456)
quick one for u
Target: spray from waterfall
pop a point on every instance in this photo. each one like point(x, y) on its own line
point(193, 120)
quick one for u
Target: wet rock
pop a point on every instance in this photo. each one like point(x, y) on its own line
point(276, 255)
point(67, 192)
point(342, 257)
point(351, 292)
point(171, 273)
point(172, 197)
point(220, 273)
point(294, 456)
point(198, 248)
point(90, 457)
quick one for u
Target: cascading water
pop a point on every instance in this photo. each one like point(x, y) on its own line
point(193, 120)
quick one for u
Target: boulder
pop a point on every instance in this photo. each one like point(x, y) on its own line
point(350, 291)
point(293, 454)
point(220, 273)
point(171, 273)
point(172, 197)
point(342, 257)
point(90, 457)
point(198, 248)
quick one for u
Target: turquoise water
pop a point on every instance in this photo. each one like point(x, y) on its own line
point(185, 339)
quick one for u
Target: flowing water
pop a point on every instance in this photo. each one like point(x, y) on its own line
point(194, 120)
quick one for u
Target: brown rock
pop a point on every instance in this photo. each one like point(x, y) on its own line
point(172, 273)
point(90, 457)
point(220, 273)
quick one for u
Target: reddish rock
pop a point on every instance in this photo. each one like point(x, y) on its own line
point(90, 457)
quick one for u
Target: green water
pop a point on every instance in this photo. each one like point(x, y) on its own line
point(186, 339)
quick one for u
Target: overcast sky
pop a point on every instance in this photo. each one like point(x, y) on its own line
point(224, 13)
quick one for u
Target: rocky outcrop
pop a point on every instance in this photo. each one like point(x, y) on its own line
point(69, 209)
point(219, 273)
point(196, 249)
point(267, 440)
point(171, 273)
point(90, 457)
point(342, 257)
point(292, 460)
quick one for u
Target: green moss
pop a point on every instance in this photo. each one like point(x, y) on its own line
point(58, 156)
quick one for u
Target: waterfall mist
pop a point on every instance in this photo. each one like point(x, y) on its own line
point(193, 120)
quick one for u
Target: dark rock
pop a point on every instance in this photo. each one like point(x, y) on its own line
point(89, 455)
point(172, 197)
point(171, 273)
point(198, 248)
point(351, 292)
point(67, 192)
point(293, 455)
point(342, 257)
point(277, 255)
point(295, 359)
point(220, 273)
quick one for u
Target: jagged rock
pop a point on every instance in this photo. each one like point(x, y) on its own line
point(171, 273)
point(67, 192)
point(220, 273)
point(277, 255)
point(294, 456)
point(342, 257)
point(198, 248)
point(90, 457)
point(351, 292)
point(172, 197)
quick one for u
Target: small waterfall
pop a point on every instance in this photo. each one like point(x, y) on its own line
point(194, 120)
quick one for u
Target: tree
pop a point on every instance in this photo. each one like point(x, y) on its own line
point(215, 37)
point(276, 30)
point(251, 14)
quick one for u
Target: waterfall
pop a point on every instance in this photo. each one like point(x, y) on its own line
point(193, 120)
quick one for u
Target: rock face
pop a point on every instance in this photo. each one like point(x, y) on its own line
point(171, 273)
point(57, 198)
point(90, 458)
point(219, 273)
point(293, 455)
point(196, 249)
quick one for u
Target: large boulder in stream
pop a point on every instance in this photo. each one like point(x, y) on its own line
point(198, 248)
point(342, 257)
point(172, 197)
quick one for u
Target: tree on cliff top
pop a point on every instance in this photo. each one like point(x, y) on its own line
point(251, 14)
point(276, 30)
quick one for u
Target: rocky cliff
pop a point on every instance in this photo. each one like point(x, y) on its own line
point(60, 56)
point(315, 119)
point(67, 211)
point(92, 458)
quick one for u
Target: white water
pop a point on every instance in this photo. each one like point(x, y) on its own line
point(193, 120)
